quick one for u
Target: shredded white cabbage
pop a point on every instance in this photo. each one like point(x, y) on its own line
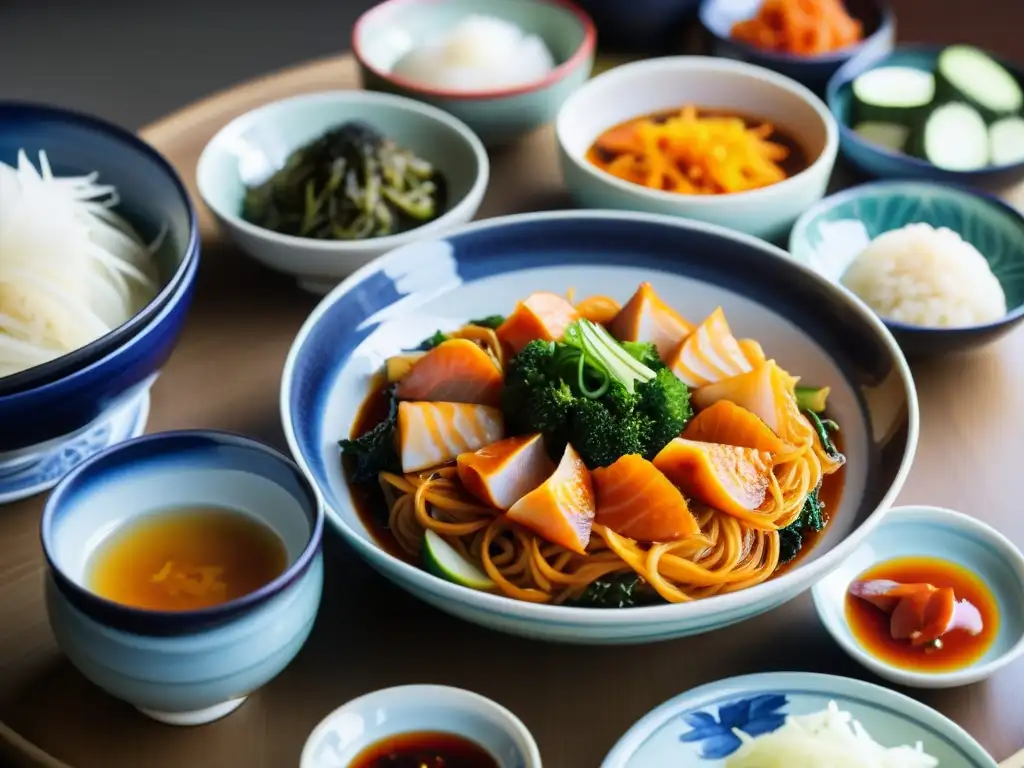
point(71, 269)
point(830, 737)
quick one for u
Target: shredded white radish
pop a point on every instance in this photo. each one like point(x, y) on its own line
point(830, 737)
point(71, 269)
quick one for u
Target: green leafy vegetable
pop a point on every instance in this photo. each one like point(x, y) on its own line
point(374, 451)
point(491, 321)
point(823, 427)
point(437, 337)
point(812, 518)
point(623, 590)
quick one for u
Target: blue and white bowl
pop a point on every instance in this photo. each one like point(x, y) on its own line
point(387, 713)
point(152, 196)
point(696, 727)
point(945, 534)
point(191, 667)
point(810, 326)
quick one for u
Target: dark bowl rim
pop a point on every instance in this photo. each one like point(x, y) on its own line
point(22, 380)
point(1010, 318)
point(560, 72)
point(844, 76)
point(840, 56)
point(163, 314)
point(164, 443)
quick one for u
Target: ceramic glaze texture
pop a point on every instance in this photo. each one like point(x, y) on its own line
point(657, 85)
point(386, 33)
point(718, 17)
point(829, 236)
point(152, 197)
point(947, 535)
point(695, 728)
point(251, 148)
point(486, 268)
point(875, 161)
point(191, 666)
point(377, 716)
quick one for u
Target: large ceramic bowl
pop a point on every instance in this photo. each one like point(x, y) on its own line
point(252, 147)
point(657, 85)
point(802, 320)
point(876, 161)
point(389, 30)
point(152, 198)
point(717, 18)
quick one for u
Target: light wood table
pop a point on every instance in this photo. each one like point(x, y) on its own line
point(225, 374)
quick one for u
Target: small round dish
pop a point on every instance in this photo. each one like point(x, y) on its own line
point(657, 85)
point(717, 18)
point(250, 148)
point(696, 727)
point(831, 233)
point(384, 714)
point(389, 30)
point(182, 667)
point(951, 536)
point(876, 161)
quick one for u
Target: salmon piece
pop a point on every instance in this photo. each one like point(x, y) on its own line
point(637, 501)
point(919, 613)
point(732, 479)
point(647, 318)
point(540, 315)
point(621, 140)
point(709, 354)
point(432, 434)
point(599, 309)
point(501, 473)
point(727, 423)
point(561, 509)
point(766, 391)
point(455, 371)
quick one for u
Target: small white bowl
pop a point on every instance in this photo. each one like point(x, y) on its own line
point(658, 85)
point(933, 532)
point(252, 147)
point(386, 713)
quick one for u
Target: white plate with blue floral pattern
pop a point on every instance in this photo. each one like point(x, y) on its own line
point(696, 728)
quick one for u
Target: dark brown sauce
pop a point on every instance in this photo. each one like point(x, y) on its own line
point(796, 161)
point(870, 625)
point(425, 749)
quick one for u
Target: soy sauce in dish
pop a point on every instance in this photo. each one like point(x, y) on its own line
point(425, 749)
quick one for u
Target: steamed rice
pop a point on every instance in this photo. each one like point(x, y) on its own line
point(926, 276)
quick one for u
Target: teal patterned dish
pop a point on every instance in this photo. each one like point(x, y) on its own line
point(831, 233)
point(696, 727)
point(389, 30)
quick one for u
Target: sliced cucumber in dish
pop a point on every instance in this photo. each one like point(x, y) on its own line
point(955, 138)
point(1006, 141)
point(972, 76)
point(892, 136)
point(896, 95)
point(442, 559)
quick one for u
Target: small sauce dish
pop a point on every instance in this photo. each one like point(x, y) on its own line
point(342, 739)
point(216, 636)
point(982, 566)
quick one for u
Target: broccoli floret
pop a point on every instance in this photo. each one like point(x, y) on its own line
point(534, 398)
point(665, 401)
point(374, 451)
point(600, 437)
point(644, 352)
point(812, 518)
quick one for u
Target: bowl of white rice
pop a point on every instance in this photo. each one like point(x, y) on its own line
point(942, 265)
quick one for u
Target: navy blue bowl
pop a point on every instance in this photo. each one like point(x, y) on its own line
point(152, 197)
point(875, 161)
point(718, 16)
point(640, 25)
point(67, 404)
point(169, 470)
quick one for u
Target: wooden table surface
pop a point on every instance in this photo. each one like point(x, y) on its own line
point(577, 701)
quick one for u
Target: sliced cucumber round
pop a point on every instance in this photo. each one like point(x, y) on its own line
point(1006, 141)
point(966, 74)
point(955, 138)
point(442, 559)
point(892, 136)
point(892, 95)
